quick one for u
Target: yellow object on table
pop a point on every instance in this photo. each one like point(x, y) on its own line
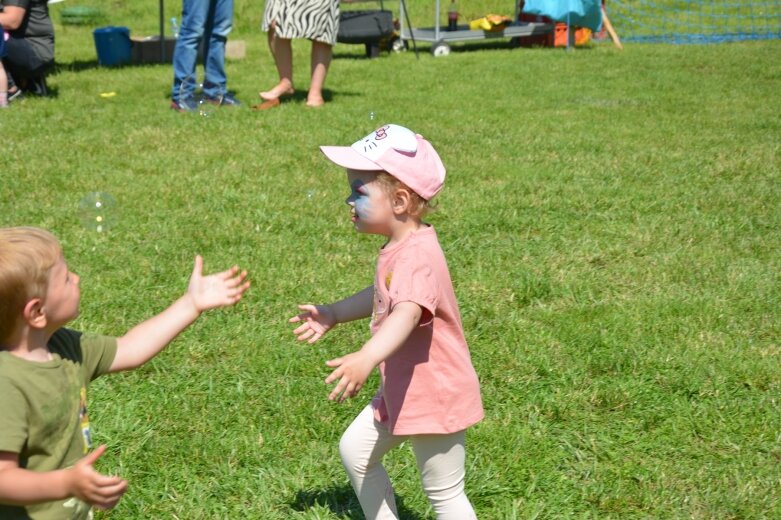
point(490, 23)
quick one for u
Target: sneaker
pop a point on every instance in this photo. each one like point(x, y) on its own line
point(17, 95)
point(187, 104)
point(225, 100)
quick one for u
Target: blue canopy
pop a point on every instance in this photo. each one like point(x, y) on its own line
point(583, 13)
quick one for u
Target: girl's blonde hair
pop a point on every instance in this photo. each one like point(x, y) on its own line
point(27, 255)
point(419, 207)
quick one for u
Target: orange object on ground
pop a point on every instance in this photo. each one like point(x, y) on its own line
point(582, 35)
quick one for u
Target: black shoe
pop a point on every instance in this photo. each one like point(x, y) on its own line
point(38, 86)
point(16, 95)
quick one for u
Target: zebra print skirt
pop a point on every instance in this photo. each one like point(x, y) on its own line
point(311, 19)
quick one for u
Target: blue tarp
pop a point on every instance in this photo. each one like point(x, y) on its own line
point(582, 13)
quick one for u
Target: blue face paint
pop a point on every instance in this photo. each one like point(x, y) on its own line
point(359, 197)
point(363, 207)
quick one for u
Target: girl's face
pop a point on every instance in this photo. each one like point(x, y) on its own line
point(369, 203)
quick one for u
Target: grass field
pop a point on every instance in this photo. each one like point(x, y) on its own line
point(611, 221)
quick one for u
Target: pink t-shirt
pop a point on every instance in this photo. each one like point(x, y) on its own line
point(429, 385)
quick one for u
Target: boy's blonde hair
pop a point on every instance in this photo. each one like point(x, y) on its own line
point(27, 255)
point(419, 207)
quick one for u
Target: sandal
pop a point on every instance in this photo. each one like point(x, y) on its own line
point(266, 105)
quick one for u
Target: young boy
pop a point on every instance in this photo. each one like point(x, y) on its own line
point(45, 469)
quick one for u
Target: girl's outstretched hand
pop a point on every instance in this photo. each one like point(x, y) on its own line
point(317, 320)
point(352, 371)
point(218, 289)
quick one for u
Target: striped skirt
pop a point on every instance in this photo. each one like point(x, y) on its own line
point(311, 19)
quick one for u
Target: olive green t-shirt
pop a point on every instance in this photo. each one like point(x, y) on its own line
point(43, 406)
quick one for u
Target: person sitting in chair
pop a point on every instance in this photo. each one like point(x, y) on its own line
point(30, 46)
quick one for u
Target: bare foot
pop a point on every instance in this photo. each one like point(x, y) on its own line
point(315, 101)
point(283, 88)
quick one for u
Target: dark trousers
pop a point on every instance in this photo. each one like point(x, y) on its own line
point(24, 67)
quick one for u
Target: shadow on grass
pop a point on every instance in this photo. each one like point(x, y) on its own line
point(51, 92)
point(505, 44)
point(359, 57)
point(81, 65)
point(77, 66)
point(299, 96)
point(458, 47)
point(341, 501)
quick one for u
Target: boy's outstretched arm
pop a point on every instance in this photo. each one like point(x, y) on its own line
point(353, 370)
point(19, 486)
point(319, 319)
point(147, 339)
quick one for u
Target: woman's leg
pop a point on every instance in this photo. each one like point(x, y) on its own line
point(441, 463)
point(321, 59)
point(283, 58)
point(362, 447)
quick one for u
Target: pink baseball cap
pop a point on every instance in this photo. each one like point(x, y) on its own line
point(398, 151)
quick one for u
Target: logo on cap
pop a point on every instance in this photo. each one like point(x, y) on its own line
point(389, 136)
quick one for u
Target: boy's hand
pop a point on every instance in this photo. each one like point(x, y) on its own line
point(91, 487)
point(352, 371)
point(318, 319)
point(215, 290)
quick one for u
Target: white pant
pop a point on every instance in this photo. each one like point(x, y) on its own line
point(440, 461)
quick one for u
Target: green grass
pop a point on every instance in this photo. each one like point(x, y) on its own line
point(611, 221)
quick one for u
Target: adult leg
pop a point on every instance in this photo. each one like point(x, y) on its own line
point(23, 64)
point(218, 24)
point(282, 52)
point(321, 59)
point(186, 50)
point(440, 460)
point(362, 447)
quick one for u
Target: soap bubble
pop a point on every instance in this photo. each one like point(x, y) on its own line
point(189, 89)
point(98, 211)
point(372, 120)
point(206, 109)
point(311, 193)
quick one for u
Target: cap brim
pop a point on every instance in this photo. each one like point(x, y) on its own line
point(346, 157)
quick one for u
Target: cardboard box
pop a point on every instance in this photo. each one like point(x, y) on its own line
point(147, 49)
point(236, 49)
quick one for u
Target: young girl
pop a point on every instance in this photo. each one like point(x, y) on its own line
point(429, 392)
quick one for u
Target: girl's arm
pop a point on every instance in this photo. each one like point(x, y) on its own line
point(19, 486)
point(353, 370)
point(319, 319)
point(147, 339)
point(357, 306)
